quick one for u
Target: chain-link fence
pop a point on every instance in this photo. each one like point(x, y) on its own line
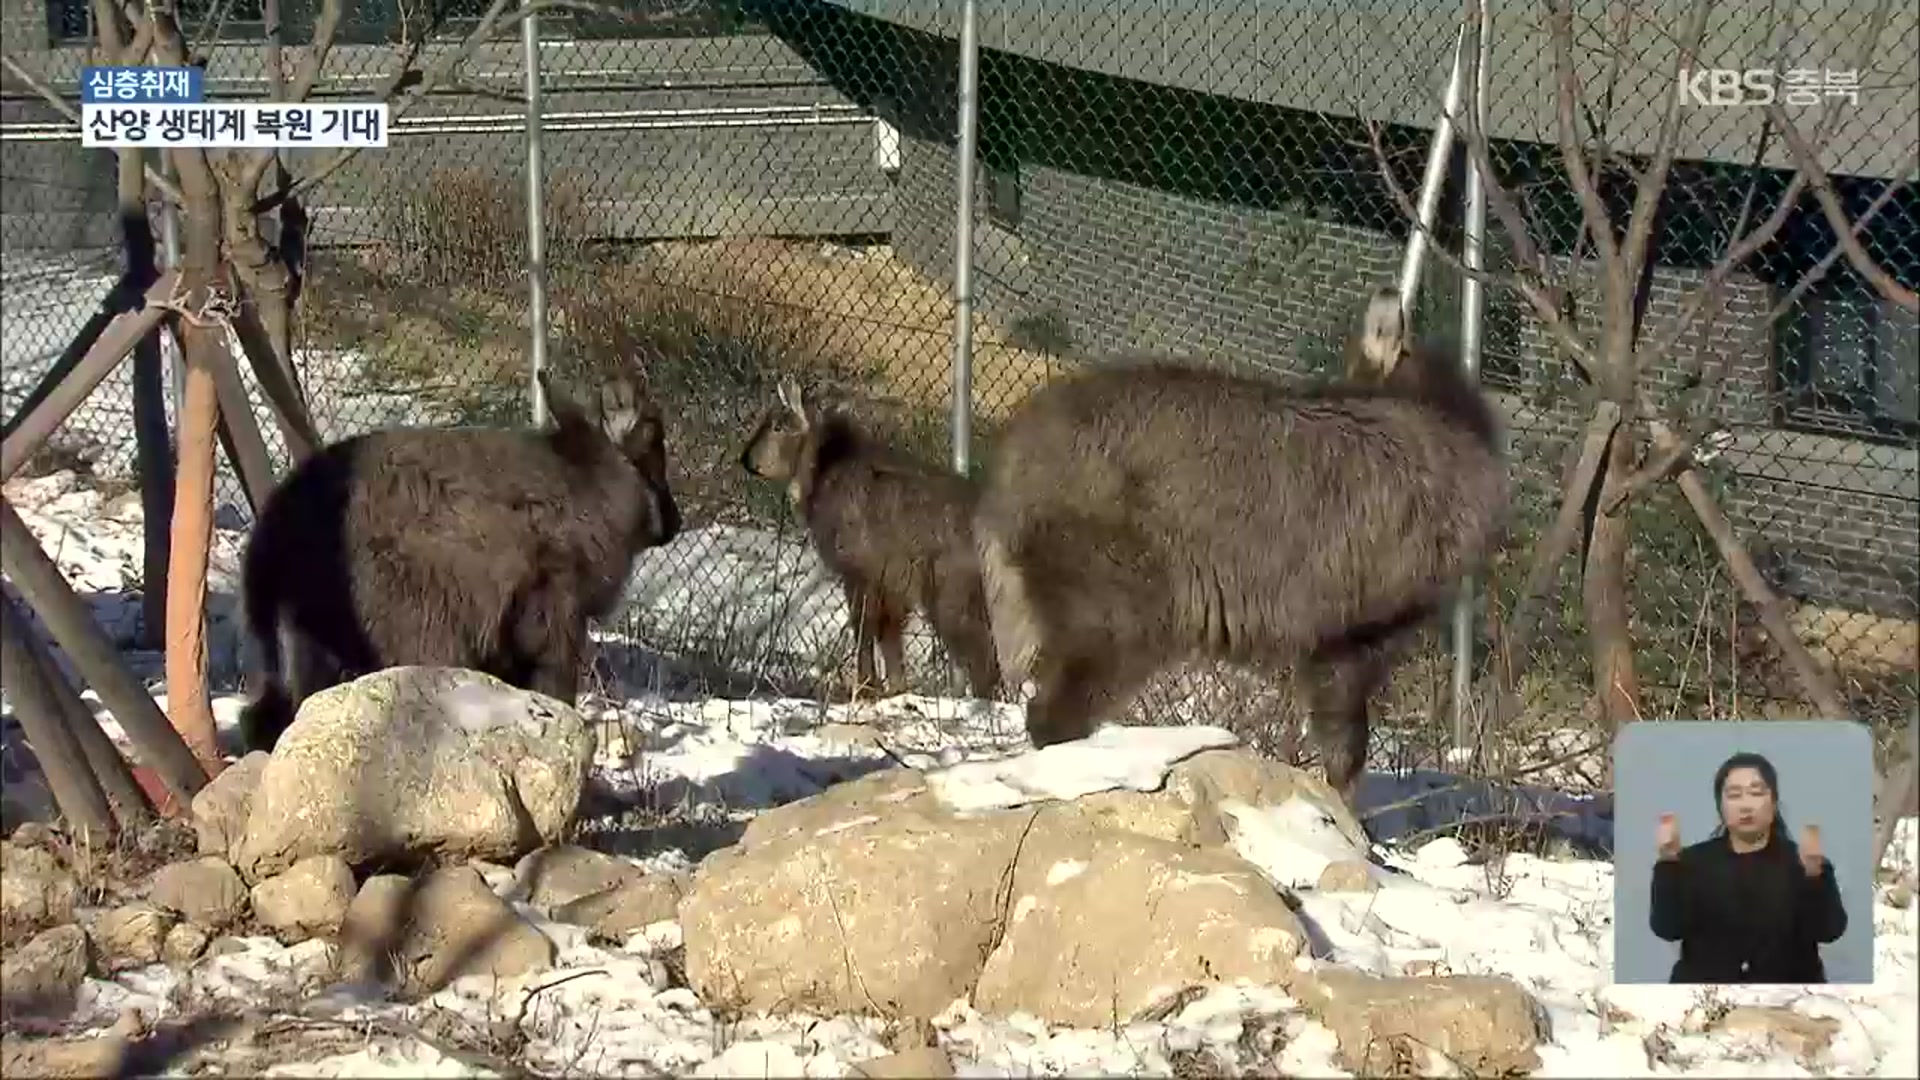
point(735, 192)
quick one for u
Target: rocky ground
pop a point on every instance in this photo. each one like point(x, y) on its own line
point(436, 874)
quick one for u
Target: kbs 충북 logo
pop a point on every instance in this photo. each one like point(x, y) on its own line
point(1764, 86)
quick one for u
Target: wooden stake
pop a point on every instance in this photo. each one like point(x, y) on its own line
point(75, 790)
point(38, 579)
point(188, 705)
point(33, 427)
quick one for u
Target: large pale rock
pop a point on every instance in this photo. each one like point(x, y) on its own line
point(413, 761)
point(206, 890)
point(1462, 1025)
point(220, 809)
point(35, 891)
point(852, 915)
point(310, 898)
point(878, 894)
point(42, 978)
point(1105, 921)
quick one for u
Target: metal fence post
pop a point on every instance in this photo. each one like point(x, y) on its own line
point(1434, 180)
point(536, 214)
point(1473, 306)
point(963, 241)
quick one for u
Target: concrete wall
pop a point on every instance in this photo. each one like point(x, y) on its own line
point(1389, 59)
point(669, 138)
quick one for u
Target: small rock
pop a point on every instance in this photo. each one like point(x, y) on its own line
point(1348, 875)
point(77, 1058)
point(207, 891)
point(33, 834)
point(184, 944)
point(313, 962)
point(35, 891)
point(498, 878)
point(446, 926)
point(312, 897)
point(133, 935)
point(925, 1061)
point(626, 909)
point(225, 945)
point(550, 877)
point(1478, 1025)
point(220, 809)
point(1900, 896)
point(1805, 1037)
point(42, 977)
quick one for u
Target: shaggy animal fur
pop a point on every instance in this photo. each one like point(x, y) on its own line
point(459, 547)
point(896, 532)
point(1149, 513)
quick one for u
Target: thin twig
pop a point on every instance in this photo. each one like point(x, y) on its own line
point(1846, 235)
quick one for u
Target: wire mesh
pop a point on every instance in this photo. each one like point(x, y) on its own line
point(736, 192)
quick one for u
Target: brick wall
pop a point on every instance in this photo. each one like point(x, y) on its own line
point(1106, 264)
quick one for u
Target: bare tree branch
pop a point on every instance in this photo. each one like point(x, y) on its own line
point(1846, 235)
point(1653, 184)
point(1666, 463)
point(1566, 94)
point(311, 65)
point(325, 30)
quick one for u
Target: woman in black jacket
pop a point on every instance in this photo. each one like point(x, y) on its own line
point(1747, 905)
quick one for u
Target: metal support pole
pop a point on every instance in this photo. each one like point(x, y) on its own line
point(536, 216)
point(1435, 179)
point(1473, 306)
point(963, 241)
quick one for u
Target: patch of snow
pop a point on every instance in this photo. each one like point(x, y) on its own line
point(1290, 843)
point(1114, 757)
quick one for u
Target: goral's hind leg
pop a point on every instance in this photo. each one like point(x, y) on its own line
point(544, 644)
point(863, 607)
point(960, 620)
point(888, 632)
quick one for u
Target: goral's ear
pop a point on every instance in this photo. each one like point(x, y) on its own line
point(795, 402)
point(621, 409)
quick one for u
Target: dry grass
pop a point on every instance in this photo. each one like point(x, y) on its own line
point(871, 309)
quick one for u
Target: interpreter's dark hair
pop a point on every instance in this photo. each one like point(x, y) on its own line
point(1782, 838)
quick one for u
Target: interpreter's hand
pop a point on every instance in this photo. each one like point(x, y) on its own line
point(1666, 837)
point(1811, 858)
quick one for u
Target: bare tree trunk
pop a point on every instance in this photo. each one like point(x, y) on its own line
point(1616, 685)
